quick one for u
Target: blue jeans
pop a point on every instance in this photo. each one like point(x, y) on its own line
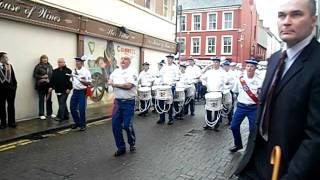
point(63, 112)
point(123, 111)
point(242, 111)
point(78, 104)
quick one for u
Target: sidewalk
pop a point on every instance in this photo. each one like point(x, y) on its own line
point(36, 126)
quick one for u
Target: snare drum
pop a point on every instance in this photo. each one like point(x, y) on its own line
point(163, 93)
point(213, 101)
point(179, 95)
point(191, 91)
point(144, 93)
point(227, 97)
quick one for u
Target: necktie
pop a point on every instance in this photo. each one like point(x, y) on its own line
point(264, 125)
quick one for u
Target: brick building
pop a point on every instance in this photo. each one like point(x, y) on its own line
point(209, 28)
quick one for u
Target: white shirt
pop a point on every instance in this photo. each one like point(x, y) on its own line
point(78, 75)
point(295, 51)
point(122, 76)
point(214, 80)
point(169, 74)
point(254, 84)
point(145, 78)
point(184, 79)
point(193, 72)
point(229, 80)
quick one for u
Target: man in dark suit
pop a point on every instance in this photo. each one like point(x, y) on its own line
point(289, 111)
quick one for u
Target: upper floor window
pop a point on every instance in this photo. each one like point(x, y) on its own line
point(211, 45)
point(195, 43)
point(147, 4)
point(212, 21)
point(227, 20)
point(196, 22)
point(226, 45)
point(183, 24)
point(182, 45)
point(166, 8)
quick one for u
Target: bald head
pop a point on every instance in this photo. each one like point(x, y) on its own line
point(61, 62)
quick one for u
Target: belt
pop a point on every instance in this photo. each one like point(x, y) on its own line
point(123, 100)
point(247, 105)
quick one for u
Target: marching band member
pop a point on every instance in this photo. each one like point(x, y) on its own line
point(214, 80)
point(248, 87)
point(169, 75)
point(228, 86)
point(194, 72)
point(184, 80)
point(145, 79)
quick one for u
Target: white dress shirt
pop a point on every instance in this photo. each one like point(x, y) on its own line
point(145, 78)
point(214, 80)
point(194, 72)
point(254, 84)
point(169, 74)
point(122, 76)
point(79, 75)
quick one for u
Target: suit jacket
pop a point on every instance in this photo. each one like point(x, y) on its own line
point(13, 82)
point(295, 120)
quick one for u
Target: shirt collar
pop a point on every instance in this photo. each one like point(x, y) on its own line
point(296, 49)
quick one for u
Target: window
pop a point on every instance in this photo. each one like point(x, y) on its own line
point(182, 45)
point(196, 22)
point(211, 45)
point(212, 21)
point(227, 20)
point(183, 23)
point(226, 45)
point(166, 8)
point(147, 4)
point(195, 45)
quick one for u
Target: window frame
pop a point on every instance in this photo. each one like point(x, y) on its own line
point(208, 22)
point(192, 22)
point(215, 45)
point(222, 45)
point(191, 50)
point(223, 19)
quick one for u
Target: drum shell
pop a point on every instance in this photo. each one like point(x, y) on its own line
point(144, 93)
point(179, 95)
point(163, 93)
point(213, 101)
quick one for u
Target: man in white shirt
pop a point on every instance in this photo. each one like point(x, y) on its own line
point(169, 74)
point(230, 79)
point(145, 79)
point(81, 78)
point(124, 81)
point(194, 72)
point(247, 87)
point(214, 80)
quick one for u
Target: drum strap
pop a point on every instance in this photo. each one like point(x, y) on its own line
point(248, 91)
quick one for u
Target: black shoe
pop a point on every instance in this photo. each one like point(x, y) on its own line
point(160, 122)
point(216, 129)
point(207, 127)
point(235, 149)
point(119, 153)
point(82, 128)
point(12, 125)
point(74, 126)
point(3, 126)
point(192, 114)
point(133, 148)
point(142, 114)
point(170, 122)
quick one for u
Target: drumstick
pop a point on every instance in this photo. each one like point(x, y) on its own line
point(275, 161)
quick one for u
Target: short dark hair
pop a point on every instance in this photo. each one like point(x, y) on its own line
point(2, 54)
point(43, 57)
point(312, 6)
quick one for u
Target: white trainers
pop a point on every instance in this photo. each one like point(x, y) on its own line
point(53, 116)
point(42, 117)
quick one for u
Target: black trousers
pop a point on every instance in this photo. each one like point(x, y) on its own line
point(7, 98)
point(63, 112)
point(43, 94)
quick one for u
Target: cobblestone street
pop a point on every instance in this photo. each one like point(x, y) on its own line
point(183, 151)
